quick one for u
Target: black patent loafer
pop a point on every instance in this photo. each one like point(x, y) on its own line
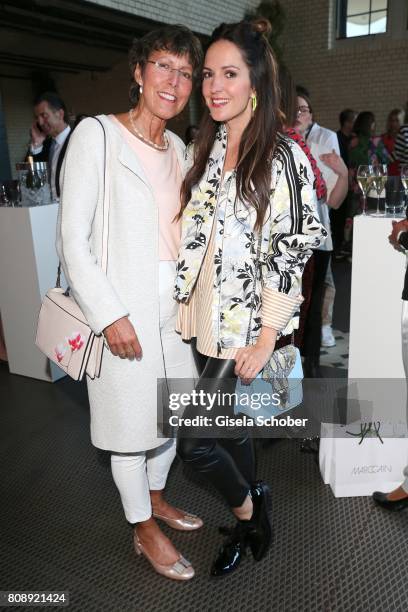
point(232, 551)
point(259, 532)
point(395, 506)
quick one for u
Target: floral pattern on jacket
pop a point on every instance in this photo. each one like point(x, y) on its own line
point(290, 230)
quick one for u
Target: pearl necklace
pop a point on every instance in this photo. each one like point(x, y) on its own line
point(162, 147)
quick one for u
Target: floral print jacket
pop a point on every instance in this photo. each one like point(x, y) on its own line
point(290, 230)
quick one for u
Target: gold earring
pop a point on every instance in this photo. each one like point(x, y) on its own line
point(254, 102)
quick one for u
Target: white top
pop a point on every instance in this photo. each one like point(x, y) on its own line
point(322, 140)
point(164, 175)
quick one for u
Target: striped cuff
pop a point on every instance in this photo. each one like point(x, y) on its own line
point(278, 308)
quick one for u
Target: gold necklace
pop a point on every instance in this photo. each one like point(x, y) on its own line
point(162, 147)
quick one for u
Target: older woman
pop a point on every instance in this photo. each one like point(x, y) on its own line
point(132, 304)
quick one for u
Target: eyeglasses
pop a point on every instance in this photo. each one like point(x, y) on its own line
point(164, 68)
point(302, 110)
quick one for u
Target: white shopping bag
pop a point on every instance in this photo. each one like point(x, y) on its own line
point(359, 465)
point(326, 450)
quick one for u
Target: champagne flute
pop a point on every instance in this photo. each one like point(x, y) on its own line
point(404, 179)
point(380, 177)
point(364, 180)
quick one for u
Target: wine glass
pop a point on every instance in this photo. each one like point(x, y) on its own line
point(404, 179)
point(364, 180)
point(380, 175)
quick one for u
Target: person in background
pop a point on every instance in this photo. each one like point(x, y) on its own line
point(398, 499)
point(290, 111)
point(401, 141)
point(365, 147)
point(394, 121)
point(344, 134)
point(191, 134)
point(324, 147)
point(50, 134)
point(338, 217)
point(328, 339)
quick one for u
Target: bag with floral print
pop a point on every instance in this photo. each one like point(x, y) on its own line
point(65, 337)
point(63, 333)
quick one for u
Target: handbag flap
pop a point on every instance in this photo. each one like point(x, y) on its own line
point(67, 303)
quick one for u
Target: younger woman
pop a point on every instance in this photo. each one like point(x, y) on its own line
point(249, 220)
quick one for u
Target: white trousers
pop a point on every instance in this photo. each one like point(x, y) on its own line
point(404, 336)
point(137, 474)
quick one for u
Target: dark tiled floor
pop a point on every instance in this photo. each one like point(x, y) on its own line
point(62, 526)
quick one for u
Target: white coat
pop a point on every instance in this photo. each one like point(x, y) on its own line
point(123, 400)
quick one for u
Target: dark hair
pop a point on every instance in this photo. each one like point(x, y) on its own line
point(302, 92)
point(80, 117)
point(396, 112)
point(175, 39)
point(346, 115)
point(288, 96)
point(258, 140)
point(363, 123)
point(190, 133)
point(54, 101)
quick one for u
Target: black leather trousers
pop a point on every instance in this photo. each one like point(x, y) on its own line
point(227, 463)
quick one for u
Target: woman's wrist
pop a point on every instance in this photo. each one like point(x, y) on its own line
point(267, 338)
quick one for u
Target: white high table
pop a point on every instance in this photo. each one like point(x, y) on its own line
point(376, 390)
point(376, 289)
point(28, 268)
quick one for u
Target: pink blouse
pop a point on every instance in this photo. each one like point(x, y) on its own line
point(163, 172)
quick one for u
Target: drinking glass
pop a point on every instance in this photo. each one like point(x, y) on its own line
point(365, 180)
point(380, 175)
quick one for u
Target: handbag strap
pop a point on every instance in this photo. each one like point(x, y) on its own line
point(106, 206)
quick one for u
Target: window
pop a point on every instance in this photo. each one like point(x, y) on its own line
point(361, 17)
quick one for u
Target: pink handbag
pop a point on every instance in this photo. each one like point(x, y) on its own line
point(63, 333)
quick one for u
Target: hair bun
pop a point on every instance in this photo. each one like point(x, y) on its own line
point(262, 25)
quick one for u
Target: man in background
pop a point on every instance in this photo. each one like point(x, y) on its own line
point(50, 134)
point(344, 134)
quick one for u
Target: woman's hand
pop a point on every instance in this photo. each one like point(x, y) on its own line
point(339, 191)
point(397, 227)
point(122, 339)
point(335, 162)
point(250, 360)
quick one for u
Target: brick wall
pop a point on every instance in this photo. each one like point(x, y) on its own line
point(201, 17)
point(365, 73)
point(368, 73)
